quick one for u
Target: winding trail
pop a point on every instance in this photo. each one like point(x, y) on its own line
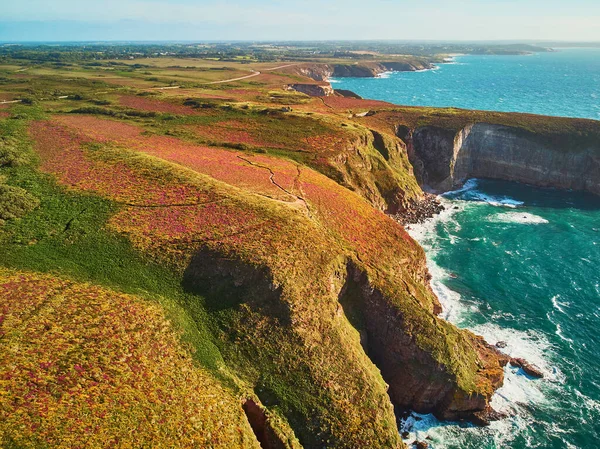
point(299, 199)
point(252, 75)
point(236, 79)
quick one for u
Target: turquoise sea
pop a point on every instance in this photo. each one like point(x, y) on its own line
point(563, 83)
point(516, 263)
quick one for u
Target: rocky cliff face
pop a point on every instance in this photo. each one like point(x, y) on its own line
point(322, 72)
point(314, 90)
point(376, 166)
point(417, 381)
point(443, 159)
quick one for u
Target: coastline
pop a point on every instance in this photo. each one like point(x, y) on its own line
point(517, 389)
point(497, 93)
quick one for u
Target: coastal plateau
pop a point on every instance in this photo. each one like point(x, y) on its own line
point(218, 265)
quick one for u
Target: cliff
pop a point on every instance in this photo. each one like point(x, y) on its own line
point(448, 146)
point(366, 69)
point(321, 89)
point(443, 159)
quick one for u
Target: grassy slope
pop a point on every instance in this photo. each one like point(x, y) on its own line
point(262, 233)
point(87, 250)
point(83, 366)
point(68, 235)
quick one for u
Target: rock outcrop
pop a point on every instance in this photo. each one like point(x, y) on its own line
point(444, 158)
point(417, 380)
point(347, 94)
point(313, 90)
point(367, 69)
point(527, 367)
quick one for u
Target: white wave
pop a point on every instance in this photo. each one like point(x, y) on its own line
point(384, 75)
point(469, 192)
point(532, 346)
point(425, 231)
point(559, 332)
point(440, 434)
point(590, 404)
point(559, 305)
point(498, 201)
point(519, 392)
point(469, 185)
point(561, 335)
point(333, 81)
point(517, 217)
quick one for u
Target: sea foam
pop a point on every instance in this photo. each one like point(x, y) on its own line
point(519, 393)
point(517, 217)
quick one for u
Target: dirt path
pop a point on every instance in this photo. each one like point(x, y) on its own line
point(299, 200)
point(281, 67)
point(252, 75)
point(236, 79)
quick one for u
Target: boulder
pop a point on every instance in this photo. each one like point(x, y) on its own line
point(527, 367)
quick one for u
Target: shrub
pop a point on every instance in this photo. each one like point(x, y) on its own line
point(29, 101)
point(15, 202)
point(10, 154)
point(101, 102)
point(93, 110)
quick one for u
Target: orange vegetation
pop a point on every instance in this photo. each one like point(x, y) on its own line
point(353, 103)
point(85, 367)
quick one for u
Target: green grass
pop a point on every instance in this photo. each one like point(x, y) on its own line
point(66, 235)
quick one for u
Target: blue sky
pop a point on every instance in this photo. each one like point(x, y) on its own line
point(574, 20)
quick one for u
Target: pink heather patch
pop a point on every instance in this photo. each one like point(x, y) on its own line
point(353, 103)
point(62, 155)
point(154, 105)
point(218, 163)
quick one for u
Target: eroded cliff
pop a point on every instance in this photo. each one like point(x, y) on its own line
point(366, 69)
point(443, 159)
point(448, 146)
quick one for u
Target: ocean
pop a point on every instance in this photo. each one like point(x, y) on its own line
point(562, 83)
point(515, 263)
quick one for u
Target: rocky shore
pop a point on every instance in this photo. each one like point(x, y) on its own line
point(419, 211)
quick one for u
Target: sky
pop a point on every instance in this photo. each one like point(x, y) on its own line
point(196, 20)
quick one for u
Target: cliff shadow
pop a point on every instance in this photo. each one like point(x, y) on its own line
point(267, 437)
point(226, 282)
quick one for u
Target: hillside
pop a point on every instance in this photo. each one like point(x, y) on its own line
point(213, 259)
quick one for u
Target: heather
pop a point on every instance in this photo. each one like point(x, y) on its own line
point(83, 366)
